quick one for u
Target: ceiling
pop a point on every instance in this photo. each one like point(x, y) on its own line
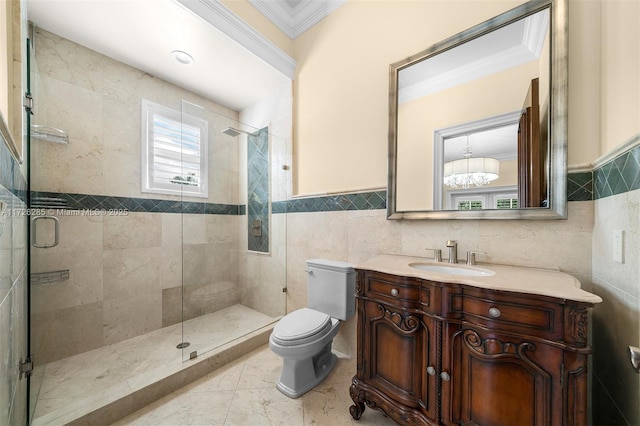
point(500, 143)
point(294, 17)
point(143, 33)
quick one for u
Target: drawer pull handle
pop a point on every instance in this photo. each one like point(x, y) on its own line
point(394, 292)
point(445, 376)
point(431, 371)
point(494, 312)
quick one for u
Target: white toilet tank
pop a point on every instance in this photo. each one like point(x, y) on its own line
point(331, 287)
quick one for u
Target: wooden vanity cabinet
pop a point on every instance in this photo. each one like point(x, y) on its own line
point(450, 354)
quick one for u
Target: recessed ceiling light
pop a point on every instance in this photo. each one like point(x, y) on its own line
point(182, 57)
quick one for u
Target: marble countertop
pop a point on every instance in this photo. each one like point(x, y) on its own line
point(544, 282)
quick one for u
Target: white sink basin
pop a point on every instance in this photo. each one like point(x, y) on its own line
point(453, 270)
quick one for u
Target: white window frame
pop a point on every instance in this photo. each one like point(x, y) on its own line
point(148, 183)
point(488, 195)
point(440, 136)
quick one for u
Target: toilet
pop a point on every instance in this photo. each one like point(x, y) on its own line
point(303, 338)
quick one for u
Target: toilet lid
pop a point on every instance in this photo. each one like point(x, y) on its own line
point(302, 323)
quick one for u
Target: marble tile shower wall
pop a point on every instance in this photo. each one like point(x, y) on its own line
point(13, 288)
point(125, 271)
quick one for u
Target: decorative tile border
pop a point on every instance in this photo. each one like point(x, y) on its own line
point(355, 201)
point(619, 175)
point(140, 205)
point(579, 189)
point(580, 186)
point(11, 176)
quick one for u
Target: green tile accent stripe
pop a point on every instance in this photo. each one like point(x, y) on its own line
point(68, 201)
point(355, 201)
point(620, 175)
point(580, 186)
point(258, 191)
point(11, 177)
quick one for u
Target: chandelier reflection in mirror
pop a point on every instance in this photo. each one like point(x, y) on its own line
point(470, 171)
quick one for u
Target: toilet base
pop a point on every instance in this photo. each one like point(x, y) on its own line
point(300, 376)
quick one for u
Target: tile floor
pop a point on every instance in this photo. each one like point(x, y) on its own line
point(243, 393)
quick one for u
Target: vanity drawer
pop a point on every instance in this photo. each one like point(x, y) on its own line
point(519, 313)
point(393, 290)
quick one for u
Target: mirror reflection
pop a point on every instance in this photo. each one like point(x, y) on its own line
point(472, 119)
point(480, 170)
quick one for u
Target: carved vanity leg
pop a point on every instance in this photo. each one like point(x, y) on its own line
point(357, 396)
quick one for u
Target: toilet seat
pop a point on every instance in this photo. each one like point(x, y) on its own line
point(301, 326)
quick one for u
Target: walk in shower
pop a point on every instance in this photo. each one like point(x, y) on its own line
point(156, 237)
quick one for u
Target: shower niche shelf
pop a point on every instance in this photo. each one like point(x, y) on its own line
point(50, 277)
point(49, 134)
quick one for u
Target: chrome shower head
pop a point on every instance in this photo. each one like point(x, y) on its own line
point(231, 131)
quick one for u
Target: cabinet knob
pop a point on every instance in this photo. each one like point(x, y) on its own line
point(494, 312)
point(431, 371)
point(394, 292)
point(445, 376)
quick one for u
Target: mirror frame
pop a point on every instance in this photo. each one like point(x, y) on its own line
point(558, 130)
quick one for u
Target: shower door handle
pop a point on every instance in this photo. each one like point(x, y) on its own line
point(56, 231)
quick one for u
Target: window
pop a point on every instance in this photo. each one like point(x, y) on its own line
point(499, 197)
point(507, 203)
point(469, 205)
point(174, 152)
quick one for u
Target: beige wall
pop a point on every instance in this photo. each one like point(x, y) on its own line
point(620, 67)
point(340, 109)
point(584, 82)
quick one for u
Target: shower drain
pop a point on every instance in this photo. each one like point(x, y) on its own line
point(183, 345)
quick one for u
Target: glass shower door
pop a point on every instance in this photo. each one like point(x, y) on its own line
point(195, 188)
point(36, 118)
point(234, 254)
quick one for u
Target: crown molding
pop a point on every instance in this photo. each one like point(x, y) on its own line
point(295, 20)
point(220, 17)
point(535, 32)
point(529, 48)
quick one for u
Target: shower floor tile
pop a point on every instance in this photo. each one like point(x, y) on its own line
point(243, 393)
point(93, 379)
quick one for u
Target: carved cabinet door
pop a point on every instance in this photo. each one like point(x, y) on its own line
point(504, 380)
point(400, 348)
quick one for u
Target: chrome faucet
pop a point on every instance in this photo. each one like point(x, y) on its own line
point(453, 251)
